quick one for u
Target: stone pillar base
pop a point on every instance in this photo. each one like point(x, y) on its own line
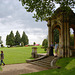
point(48, 51)
point(60, 52)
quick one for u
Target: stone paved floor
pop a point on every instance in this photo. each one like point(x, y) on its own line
point(16, 69)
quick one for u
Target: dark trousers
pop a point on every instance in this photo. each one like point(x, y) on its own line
point(51, 52)
point(2, 62)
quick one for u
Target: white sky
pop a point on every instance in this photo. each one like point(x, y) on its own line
point(14, 17)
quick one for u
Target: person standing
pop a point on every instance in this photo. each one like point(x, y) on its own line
point(51, 49)
point(56, 49)
point(2, 57)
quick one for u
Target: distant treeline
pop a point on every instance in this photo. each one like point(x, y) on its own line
point(16, 40)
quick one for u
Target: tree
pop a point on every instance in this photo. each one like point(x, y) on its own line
point(24, 38)
point(2, 45)
point(45, 42)
point(17, 38)
point(22, 44)
point(7, 40)
point(10, 39)
point(56, 36)
point(34, 43)
point(72, 40)
point(45, 8)
point(1, 40)
point(27, 41)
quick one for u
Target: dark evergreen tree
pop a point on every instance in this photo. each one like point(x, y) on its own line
point(27, 41)
point(10, 39)
point(17, 38)
point(24, 38)
point(1, 40)
point(7, 40)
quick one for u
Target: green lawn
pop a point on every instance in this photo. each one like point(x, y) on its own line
point(20, 54)
point(67, 68)
point(0, 68)
point(16, 55)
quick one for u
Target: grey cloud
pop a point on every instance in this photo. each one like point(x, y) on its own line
point(14, 17)
point(36, 31)
point(8, 7)
point(17, 11)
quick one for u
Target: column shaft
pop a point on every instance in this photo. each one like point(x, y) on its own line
point(49, 32)
point(74, 39)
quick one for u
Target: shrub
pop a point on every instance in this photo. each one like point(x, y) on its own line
point(22, 44)
point(2, 45)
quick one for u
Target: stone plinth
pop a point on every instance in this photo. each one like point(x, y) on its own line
point(34, 52)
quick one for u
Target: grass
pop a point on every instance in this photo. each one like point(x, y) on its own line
point(67, 68)
point(16, 55)
point(0, 68)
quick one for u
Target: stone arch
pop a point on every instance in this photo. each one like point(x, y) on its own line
point(58, 27)
point(63, 24)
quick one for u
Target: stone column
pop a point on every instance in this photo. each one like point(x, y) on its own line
point(59, 38)
point(74, 39)
point(34, 52)
point(60, 45)
point(49, 33)
point(62, 41)
point(65, 39)
point(68, 39)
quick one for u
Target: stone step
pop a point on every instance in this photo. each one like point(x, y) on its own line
point(45, 62)
point(50, 57)
point(40, 63)
point(48, 60)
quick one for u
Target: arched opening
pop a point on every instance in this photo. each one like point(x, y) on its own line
point(56, 34)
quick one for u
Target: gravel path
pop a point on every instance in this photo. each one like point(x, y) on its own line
point(16, 69)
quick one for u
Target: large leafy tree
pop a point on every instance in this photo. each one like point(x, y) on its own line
point(24, 38)
point(44, 8)
point(45, 42)
point(17, 38)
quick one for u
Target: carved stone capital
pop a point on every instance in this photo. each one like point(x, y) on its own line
point(49, 23)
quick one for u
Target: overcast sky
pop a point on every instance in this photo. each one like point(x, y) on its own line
point(14, 17)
